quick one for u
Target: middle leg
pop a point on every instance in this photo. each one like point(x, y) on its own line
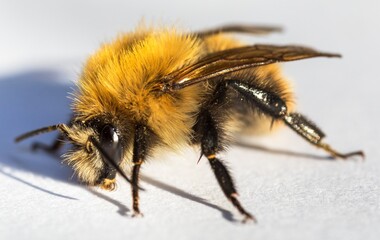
point(210, 146)
point(210, 134)
point(140, 148)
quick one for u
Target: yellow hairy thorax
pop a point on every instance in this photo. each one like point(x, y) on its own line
point(118, 80)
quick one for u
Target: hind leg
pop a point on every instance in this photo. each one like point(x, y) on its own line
point(273, 106)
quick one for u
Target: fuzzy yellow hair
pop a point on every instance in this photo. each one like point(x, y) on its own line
point(118, 80)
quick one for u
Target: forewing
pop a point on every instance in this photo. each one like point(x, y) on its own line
point(239, 28)
point(231, 60)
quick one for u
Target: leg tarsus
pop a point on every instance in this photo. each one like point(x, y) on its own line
point(311, 133)
point(53, 148)
point(335, 154)
point(137, 214)
point(247, 216)
point(226, 183)
point(135, 191)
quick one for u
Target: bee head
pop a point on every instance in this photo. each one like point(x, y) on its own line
point(98, 150)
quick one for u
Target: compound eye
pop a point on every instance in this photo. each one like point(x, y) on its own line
point(109, 137)
point(110, 142)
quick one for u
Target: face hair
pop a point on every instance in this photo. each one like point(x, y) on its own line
point(61, 127)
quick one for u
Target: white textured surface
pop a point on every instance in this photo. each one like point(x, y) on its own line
point(42, 46)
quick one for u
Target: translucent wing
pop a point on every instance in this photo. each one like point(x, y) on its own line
point(232, 60)
point(239, 28)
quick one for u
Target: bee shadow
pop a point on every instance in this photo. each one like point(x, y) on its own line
point(28, 100)
point(176, 191)
point(35, 186)
point(282, 152)
point(122, 209)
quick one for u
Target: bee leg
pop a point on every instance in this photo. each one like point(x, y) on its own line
point(210, 146)
point(274, 106)
point(135, 191)
point(226, 183)
point(139, 155)
point(53, 148)
point(311, 133)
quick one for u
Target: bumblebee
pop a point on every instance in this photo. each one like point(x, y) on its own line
point(166, 88)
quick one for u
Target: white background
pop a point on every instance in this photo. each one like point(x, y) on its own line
point(295, 195)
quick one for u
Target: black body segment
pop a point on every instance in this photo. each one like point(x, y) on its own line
point(304, 127)
point(267, 102)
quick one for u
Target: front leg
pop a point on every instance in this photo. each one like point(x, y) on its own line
point(140, 147)
point(55, 146)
